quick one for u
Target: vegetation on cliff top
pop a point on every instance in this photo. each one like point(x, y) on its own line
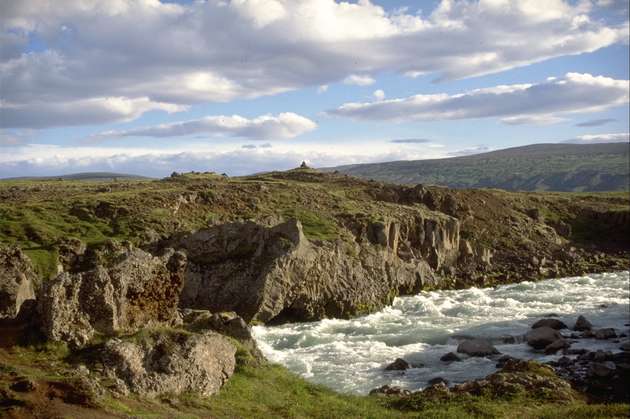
point(36, 215)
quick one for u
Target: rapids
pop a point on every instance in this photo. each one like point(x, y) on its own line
point(350, 355)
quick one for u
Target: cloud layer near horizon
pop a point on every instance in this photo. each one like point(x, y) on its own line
point(111, 60)
point(43, 160)
point(540, 103)
point(617, 137)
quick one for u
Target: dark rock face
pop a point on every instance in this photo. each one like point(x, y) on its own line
point(557, 345)
point(134, 291)
point(388, 390)
point(606, 333)
point(450, 357)
point(16, 281)
point(552, 323)
point(23, 385)
point(171, 363)
point(603, 376)
point(581, 324)
point(477, 347)
point(275, 273)
point(541, 337)
point(399, 364)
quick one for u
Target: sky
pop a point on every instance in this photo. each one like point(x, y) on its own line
point(149, 87)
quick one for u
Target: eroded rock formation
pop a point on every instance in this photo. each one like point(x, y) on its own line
point(16, 281)
point(265, 273)
point(133, 290)
point(170, 362)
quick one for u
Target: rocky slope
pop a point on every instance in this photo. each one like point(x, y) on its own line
point(297, 245)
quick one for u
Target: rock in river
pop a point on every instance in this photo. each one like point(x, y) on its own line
point(477, 347)
point(541, 337)
point(552, 323)
point(581, 324)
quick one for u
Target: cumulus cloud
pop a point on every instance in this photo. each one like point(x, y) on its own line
point(595, 122)
point(619, 137)
point(359, 80)
point(284, 125)
point(379, 94)
point(183, 54)
point(79, 112)
point(544, 102)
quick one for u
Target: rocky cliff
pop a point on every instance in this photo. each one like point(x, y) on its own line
point(265, 273)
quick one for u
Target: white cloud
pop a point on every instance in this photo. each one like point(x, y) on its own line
point(182, 54)
point(86, 111)
point(619, 137)
point(379, 94)
point(46, 160)
point(545, 102)
point(322, 89)
point(284, 125)
point(359, 80)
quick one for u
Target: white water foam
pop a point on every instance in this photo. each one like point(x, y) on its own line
point(349, 355)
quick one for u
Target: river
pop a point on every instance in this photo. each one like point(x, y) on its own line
point(350, 355)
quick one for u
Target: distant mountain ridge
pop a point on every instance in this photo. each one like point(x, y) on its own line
point(537, 167)
point(82, 176)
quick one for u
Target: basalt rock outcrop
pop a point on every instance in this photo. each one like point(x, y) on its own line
point(276, 273)
point(169, 362)
point(17, 280)
point(132, 289)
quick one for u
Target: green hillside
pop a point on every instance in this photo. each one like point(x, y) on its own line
point(538, 167)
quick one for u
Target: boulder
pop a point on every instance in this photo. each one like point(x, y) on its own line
point(541, 337)
point(388, 390)
point(552, 323)
point(625, 346)
point(477, 347)
point(16, 281)
point(134, 290)
point(450, 357)
point(581, 324)
point(557, 345)
point(606, 333)
point(399, 364)
point(171, 362)
point(227, 323)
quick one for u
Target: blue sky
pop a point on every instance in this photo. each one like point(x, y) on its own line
point(261, 85)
